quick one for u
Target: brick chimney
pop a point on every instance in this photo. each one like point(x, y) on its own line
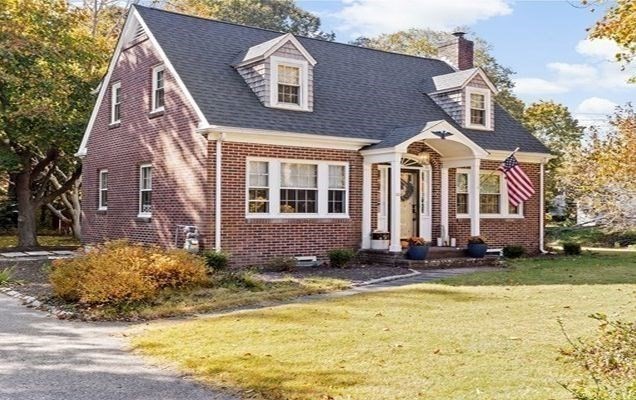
point(458, 52)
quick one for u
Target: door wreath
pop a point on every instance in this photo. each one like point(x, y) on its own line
point(407, 189)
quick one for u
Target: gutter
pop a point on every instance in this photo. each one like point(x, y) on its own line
point(217, 193)
point(541, 210)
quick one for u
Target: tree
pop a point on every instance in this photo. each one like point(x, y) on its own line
point(50, 63)
point(424, 43)
point(553, 124)
point(602, 175)
point(279, 15)
point(619, 25)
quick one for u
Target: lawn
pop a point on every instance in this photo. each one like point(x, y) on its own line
point(7, 241)
point(480, 340)
point(589, 236)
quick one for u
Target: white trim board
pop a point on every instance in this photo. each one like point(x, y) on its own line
point(128, 32)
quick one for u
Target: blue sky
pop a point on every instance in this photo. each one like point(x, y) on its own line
point(544, 42)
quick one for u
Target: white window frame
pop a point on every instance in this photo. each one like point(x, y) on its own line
point(141, 214)
point(275, 186)
point(303, 94)
point(504, 204)
point(155, 70)
point(101, 189)
point(113, 98)
point(487, 104)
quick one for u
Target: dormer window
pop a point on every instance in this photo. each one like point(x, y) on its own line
point(478, 104)
point(289, 84)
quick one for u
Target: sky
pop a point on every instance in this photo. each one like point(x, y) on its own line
point(544, 42)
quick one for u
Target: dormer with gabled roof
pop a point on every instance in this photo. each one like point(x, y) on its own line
point(280, 73)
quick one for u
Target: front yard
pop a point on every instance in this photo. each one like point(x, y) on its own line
point(484, 336)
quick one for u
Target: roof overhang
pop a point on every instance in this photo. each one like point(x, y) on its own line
point(283, 138)
point(464, 82)
point(264, 50)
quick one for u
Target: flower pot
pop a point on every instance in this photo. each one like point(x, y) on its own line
point(379, 244)
point(477, 250)
point(417, 252)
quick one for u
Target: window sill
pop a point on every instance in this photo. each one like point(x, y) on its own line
point(102, 211)
point(295, 217)
point(143, 217)
point(113, 125)
point(491, 216)
point(290, 107)
point(156, 113)
point(479, 128)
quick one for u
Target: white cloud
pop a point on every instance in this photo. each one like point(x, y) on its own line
point(596, 105)
point(573, 73)
point(605, 49)
point(537, 86)
point(372, 17)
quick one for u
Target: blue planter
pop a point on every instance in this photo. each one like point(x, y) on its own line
point(417, 252)
point(477, 250)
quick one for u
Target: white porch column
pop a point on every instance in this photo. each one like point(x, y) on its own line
point(444, 204)
point(396, 190)
point(366, 205)
point(473, 200)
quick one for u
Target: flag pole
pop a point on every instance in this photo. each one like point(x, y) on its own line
point(493, 172)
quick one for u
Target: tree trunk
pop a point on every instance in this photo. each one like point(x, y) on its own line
point(27, 226)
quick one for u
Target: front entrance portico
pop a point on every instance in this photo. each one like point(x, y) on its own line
point(406, 185)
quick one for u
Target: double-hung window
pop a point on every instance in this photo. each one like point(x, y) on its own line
point(258, 191)
point(296, 188)
point(478, 109)
point(158, 88)
point(493, 196)
point(289, 86)
point(145, 190)
point(115, 103)
point(103, 190)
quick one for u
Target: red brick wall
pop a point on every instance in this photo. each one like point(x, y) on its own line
point(254, 241)
point(180, 193)
point(500, 232)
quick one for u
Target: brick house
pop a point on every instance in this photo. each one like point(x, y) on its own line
point(274, 145)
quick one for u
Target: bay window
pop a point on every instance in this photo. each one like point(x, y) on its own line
point(296, 188)
point(493, 196)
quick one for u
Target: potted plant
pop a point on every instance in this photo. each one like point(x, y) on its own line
point(418, 248)
point(477, 247)
point(380, 240)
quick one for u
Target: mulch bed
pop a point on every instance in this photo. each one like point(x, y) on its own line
point(354, 274)
point(29, 277)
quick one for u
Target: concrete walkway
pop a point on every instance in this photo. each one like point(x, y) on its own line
point(42, 358)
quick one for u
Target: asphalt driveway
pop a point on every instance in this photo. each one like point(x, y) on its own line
point(42, 358)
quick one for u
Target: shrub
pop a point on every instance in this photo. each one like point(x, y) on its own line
point(571, 248)
point(282, 264)
point(339, 258)
point(609, 361)
point(216, 260)
point(513, 251)
point(118, 272)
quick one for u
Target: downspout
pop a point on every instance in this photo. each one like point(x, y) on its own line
point(217, 194)
point(541, 210)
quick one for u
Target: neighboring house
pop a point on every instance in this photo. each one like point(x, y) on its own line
point(274, 145)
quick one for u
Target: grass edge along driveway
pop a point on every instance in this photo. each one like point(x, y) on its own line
point(428, 341)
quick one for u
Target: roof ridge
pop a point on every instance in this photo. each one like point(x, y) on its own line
point(295, 35)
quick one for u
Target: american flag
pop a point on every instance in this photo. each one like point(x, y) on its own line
point(519, 185)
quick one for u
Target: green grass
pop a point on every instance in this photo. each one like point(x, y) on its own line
point(6, 275)
point(590, 268)
point(44, 240)
point(224, 291)
point(589, 237)
point(428, 341)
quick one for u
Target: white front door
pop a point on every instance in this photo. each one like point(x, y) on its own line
point(408, 203)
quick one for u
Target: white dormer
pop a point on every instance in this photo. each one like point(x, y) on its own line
point(468, 97)
point(280, 73)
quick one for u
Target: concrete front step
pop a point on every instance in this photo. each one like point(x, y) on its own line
point(438, 257)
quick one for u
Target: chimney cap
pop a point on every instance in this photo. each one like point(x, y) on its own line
point(459, 34)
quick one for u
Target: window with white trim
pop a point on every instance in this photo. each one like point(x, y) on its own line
point(158, 88)
point(289, 84)
point(258, 190)
point(145, 190)
point(296, 188)
point(493, 196)
point(115, 103)
point(478, 108)
point(103, 189)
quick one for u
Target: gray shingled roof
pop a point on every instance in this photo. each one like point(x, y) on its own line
point(452, 80)
point(358, 92)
